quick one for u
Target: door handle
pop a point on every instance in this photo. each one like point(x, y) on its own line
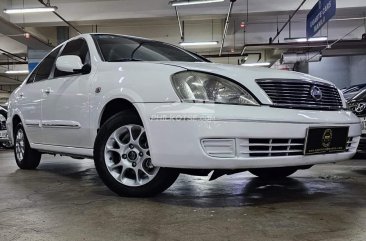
point(21, 95)
point(47, 91)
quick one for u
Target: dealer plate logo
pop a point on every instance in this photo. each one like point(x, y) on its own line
point(316, 93)
point(327, 138)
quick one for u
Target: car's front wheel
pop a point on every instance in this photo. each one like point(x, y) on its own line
point(25, 156)
point(274, 173)
point(122, 159)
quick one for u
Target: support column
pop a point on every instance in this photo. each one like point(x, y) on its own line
point(63, 34)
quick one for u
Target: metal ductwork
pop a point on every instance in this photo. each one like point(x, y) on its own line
point(293, 58)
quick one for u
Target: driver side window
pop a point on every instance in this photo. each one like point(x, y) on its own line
point(77, 47)
point(43, 70)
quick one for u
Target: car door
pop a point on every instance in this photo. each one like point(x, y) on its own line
point(29, 97)
point(65, 109)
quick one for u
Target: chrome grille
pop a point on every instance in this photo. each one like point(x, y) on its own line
point(261, 147)
point(297, 94)
point(275, 147)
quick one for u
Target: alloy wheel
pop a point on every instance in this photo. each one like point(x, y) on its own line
point(20, 145)
point(127, 156)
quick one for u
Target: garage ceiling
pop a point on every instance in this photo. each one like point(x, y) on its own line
point(89, 10)
point(156, 19)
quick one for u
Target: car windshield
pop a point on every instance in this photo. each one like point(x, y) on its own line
point(115, 48)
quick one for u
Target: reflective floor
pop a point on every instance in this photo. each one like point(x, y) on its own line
point(65, 200)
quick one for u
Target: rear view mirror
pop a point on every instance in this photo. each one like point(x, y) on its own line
point(69, 63)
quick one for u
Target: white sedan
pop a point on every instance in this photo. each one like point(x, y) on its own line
point(147, 111)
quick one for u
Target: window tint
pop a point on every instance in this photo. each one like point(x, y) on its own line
point(43, 70)
point(114, 48)
point(153, 51)
point(77, 47)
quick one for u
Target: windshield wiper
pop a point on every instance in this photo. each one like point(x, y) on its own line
point(125, 60)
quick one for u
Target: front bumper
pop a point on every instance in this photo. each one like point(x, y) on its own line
point(178, 134)
point(362, 145)
point(4, 136)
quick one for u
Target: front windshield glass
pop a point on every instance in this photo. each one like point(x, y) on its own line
point(115, 48)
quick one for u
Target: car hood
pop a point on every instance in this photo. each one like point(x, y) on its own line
point(245, 75)
point(241, 73)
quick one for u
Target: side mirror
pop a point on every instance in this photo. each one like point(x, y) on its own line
point(69, 63)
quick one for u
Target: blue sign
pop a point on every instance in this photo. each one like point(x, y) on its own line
point(321, 13)
point(32, 66)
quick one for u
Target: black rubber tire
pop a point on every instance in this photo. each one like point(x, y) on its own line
point(273, 173)
point(163, 179)
point(31, 157)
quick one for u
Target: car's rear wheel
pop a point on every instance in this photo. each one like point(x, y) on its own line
point(273, 173)
point(122, 159)
point(25, 156)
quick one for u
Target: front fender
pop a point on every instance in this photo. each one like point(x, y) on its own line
point(137, 82)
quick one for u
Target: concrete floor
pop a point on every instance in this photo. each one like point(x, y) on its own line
point(65, 200)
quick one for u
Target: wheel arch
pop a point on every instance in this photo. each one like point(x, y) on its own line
point(115, 106)
point(16, 120)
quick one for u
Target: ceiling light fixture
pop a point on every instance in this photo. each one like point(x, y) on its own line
point(198, 43)
point(304, 40)
point(17, 72)
point(256, 65)
point(176, 3)
point(30, 10)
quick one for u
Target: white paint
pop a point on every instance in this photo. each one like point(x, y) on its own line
point(173, 142)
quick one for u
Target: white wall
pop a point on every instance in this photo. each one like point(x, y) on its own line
point(358, 69)
point(343, 71)
point(334, 69)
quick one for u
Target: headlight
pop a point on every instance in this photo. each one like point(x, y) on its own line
point(193, 86)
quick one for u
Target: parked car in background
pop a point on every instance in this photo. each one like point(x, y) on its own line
point(352, 91)
point(358, 105)
point(147, 111)
point(4, 138)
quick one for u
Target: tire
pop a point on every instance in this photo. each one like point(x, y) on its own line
point(26, 157)
point(273, 173)
point(125, 173)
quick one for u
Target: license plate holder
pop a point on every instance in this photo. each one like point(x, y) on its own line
point(326, 140)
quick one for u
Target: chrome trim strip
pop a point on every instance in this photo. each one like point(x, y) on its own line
point(61, 124)
point(68, 126)
point(32, 125)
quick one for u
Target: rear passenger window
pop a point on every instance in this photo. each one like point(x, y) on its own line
point(77, 47)
point(43, 70)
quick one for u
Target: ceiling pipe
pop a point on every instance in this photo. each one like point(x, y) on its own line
point(10, 78)
point(283, 27)
point(58, 15)
point(288, 21)
point(17, 33)
point(13, 56)
point(227, 21)
point(179, 24)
